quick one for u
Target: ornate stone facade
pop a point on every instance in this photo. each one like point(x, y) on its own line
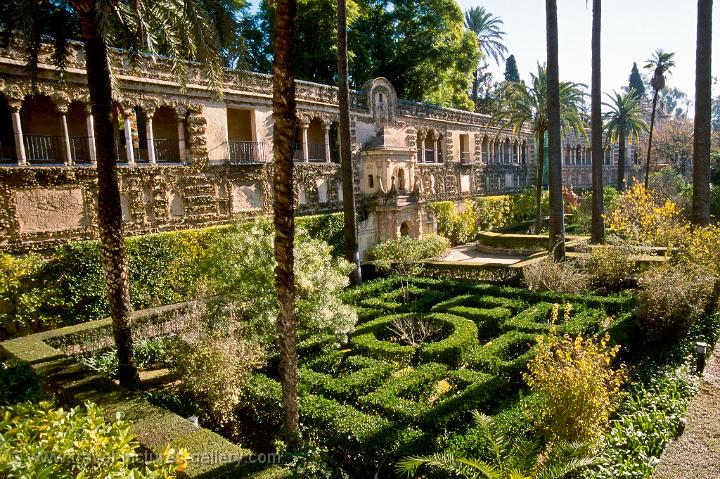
point(189, 159)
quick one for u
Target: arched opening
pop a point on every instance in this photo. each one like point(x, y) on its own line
point(334, 143)
point(485, 149)
point(430, 145)
point(465, 148)
point(166, 142)
point(42, 130)
point(405, 228)
point(316, 141)
point(78, 132)
point(7, 135)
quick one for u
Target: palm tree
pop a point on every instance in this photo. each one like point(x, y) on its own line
point(703, 112)
point(283, 207)
point(518, 459)
point(660, 63)
point(349, 228)
point(597, 231)
point(525, 105)
point(486, 28)
point(179, 30)
point(624, 121)
point(557, 216)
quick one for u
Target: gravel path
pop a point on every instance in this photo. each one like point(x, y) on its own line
point(696, 453)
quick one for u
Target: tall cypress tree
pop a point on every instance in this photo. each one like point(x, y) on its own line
point(636, 82)
point(511, 70)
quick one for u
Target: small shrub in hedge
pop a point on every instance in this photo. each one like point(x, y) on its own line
point(507, 355)
point(549, 275)
point(42, 441)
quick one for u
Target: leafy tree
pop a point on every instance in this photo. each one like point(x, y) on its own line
point(635, 81)
point(660, 63)
point(511, 70)
point(674, 102)
point(238, 272)
point(703, 115)
point(673, 144)
point(284, 208)
point(182, 30)
point(507, 458)
point(715, 114)
point(624, 121)
point(487, 29)
point(528, 105)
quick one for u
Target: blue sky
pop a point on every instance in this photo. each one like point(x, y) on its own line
point(632, 30)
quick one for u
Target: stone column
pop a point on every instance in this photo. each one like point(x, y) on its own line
point(420, 148)
point(17, 131)
point(181, 141)
point(67, 154)
point(304, 131)
point(129, 153)
point(149, 134)
point(326, 125)
point(90, 124)
point(436, 147)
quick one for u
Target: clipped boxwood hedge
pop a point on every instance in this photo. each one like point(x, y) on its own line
point(453, 349)
point(365, 341)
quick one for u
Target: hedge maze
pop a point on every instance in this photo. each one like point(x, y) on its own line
point(376, 399)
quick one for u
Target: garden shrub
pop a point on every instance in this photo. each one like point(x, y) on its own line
point(238, 272)
point(29, 301)
point(42, 441)
point(493, 212)
point(404, 256)
point(702, 247)
point(610, 267)
point(577, 384)
point(18, 383)
point(559, 277)
point(213, 367)
point(458, 227)
point(329, 228)
point(147, 352)
point(670, 299)
point(640, 219)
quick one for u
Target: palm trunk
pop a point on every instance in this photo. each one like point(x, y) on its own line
point(703, 100)
point(650, 137)
point(622, 141)
point(597, 233)
point(114, 258)
point(283, 198)
point(350, 228)
point(538, 181)
point(557, 219)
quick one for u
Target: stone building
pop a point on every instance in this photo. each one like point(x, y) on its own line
point(188, 159)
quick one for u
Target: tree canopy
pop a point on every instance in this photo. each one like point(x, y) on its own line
point(635, 81)
point(421, 46)
point(511, 70)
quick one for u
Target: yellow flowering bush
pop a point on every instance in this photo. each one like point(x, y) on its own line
point(577, 384)
point(702, 247)
point(45, 442)
point(640, 219)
